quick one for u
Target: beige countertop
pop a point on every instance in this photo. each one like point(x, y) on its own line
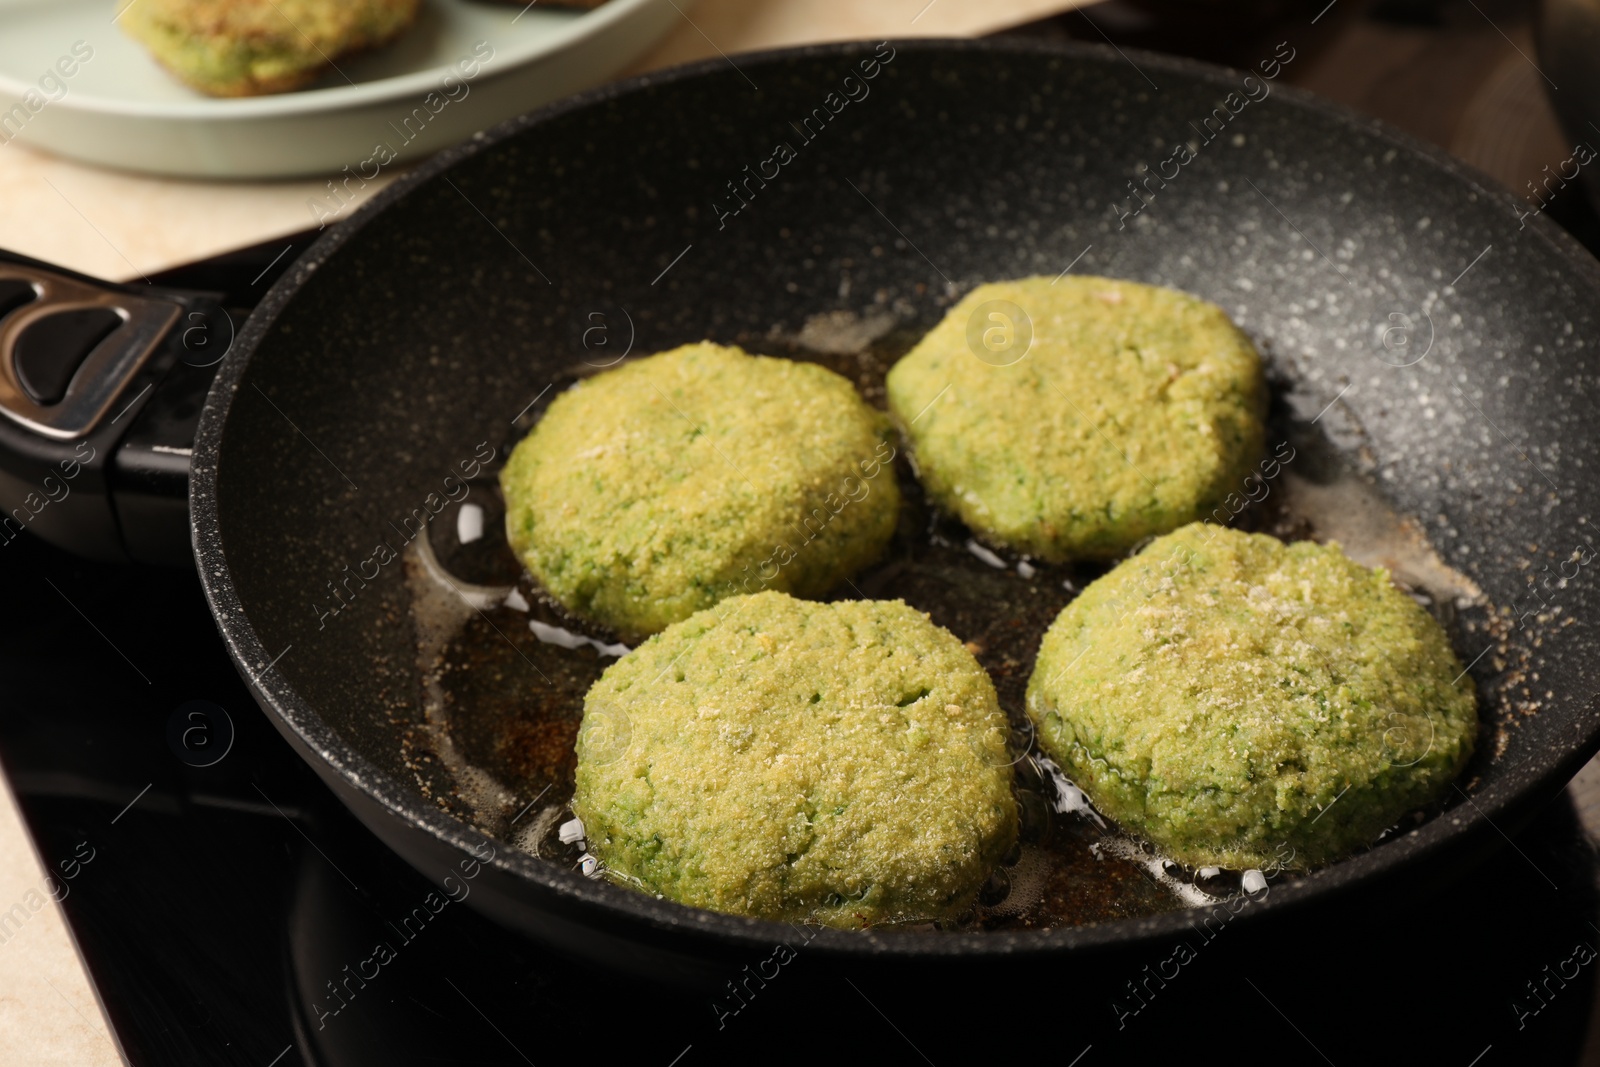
point(49, 1015)
point(120, 225)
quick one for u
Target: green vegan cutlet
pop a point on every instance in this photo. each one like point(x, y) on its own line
point(843, 763)
point(1134, 410)
point(1242, 702)
point(252, 47)
point(654, 490)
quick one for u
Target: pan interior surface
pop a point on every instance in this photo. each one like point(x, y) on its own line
point(1422, 347)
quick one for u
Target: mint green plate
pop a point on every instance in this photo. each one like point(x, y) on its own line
point(118, 108)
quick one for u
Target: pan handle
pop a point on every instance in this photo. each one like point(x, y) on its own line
point(100, 391)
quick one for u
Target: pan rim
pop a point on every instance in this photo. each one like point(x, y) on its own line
point(297, 716)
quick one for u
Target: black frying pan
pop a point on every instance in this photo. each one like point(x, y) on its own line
point(1441, 346)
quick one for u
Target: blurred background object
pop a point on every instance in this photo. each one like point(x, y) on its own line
point(1460, 74)
point(1569, 52)
point(124, 225)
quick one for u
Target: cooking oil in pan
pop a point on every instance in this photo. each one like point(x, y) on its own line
point(503, 672)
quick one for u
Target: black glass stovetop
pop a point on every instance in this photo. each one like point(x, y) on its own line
point(228, 908)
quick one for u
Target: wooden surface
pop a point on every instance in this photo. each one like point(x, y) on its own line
point(1468, 86)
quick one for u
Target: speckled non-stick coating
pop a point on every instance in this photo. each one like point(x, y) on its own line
point(418, 329)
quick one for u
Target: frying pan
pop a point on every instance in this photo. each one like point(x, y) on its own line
point(444, 314)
